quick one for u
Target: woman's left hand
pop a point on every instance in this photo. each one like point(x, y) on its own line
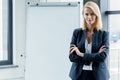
point(74, 48)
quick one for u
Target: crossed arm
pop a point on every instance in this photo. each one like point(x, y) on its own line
point(77, 56)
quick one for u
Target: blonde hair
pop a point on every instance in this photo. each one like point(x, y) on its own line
point(94, 7)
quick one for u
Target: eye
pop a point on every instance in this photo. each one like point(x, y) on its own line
point(86, 14)
point(92, 14)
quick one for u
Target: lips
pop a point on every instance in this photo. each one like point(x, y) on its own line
point(90, 21)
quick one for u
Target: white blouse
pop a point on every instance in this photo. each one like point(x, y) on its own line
point(88, 49)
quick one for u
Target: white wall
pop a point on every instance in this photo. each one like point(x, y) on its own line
point(45, 61)
point(81, 18)
point(49, 31)
point(16, 71)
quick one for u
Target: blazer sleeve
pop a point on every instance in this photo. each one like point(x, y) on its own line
point(73, 56)
point(99, 57)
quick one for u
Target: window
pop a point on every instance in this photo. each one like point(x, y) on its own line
point(5, 32)
point(114, 27)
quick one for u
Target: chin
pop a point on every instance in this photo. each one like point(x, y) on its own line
point(90, 24)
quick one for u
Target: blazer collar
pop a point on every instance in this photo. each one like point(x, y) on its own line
point(93, 37)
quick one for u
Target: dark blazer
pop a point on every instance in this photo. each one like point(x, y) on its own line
point(99, 38)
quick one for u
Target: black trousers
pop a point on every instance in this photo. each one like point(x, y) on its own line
point(86, 75)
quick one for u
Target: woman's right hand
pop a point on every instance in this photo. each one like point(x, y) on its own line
point(102, 48)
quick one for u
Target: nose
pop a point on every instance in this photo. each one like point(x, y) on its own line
point(89, 16)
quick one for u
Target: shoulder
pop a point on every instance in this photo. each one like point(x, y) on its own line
point(78, 30)
point(103, 32)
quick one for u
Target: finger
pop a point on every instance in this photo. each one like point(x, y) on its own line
point(102, 46)
point(101, 50)
point(72, 50)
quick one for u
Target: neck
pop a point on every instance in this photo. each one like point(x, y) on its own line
point(90, 28)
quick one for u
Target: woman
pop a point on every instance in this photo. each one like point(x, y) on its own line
point(89, 47)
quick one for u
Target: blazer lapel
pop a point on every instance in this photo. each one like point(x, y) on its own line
point(83, 40)
point(94, 40)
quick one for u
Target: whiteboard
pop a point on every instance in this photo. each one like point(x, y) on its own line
point(49, 31)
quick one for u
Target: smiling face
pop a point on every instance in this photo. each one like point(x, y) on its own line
point(89, 17)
